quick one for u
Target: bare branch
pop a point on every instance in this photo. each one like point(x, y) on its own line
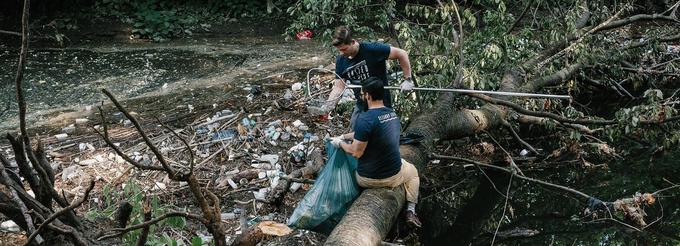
point(55, 215)
point(513, 173)
point(173, 173)
point(556, 117)
point(20, 70)
point(10, 33)
point(186, 144)
point(117, 149)
point(519, 139)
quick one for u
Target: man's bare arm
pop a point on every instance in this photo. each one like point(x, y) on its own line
point(356, 148)
point(402, 57)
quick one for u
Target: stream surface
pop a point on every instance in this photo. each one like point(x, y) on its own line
point(58, 81)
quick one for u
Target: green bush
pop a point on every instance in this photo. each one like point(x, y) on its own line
point(160, 20)
point(133, 194)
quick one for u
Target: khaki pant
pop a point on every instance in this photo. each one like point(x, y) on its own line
point(407, 177)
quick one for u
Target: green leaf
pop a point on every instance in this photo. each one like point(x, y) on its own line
point(196, 241)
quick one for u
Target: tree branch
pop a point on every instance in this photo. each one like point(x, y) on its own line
point(519, 139)
point(105, 136)
point(515, 174)
point(149, 143)
point(556, 117)
point(20, 70)
point(55, 215)
point(553, 79)
point(186, 144)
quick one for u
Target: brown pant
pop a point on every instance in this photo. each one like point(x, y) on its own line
point(407, 177)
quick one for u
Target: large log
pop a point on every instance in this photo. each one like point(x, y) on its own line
point(371, 216)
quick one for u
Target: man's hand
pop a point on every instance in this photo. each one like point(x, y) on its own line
point(407, 85)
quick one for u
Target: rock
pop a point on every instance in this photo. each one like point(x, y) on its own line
point(9, 226)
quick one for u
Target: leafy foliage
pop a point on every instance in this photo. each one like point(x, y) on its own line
point(135, 196)
point(160, 20)
point(495, 39)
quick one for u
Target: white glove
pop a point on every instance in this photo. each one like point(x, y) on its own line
point(406, 86)
point(335, 141)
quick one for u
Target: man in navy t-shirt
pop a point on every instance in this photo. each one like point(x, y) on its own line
point(358, 61)
point(375, 143)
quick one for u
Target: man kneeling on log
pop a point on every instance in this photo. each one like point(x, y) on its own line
point(375, 143)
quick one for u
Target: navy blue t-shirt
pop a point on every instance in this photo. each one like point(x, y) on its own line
point(379, 127)
point(369, 62)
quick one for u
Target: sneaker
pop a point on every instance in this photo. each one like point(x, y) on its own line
point(412, 219)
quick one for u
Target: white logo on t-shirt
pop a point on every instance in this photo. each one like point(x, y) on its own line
point(357, 71)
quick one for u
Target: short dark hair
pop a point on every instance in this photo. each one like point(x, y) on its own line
point(341, 36)
point(374, 87)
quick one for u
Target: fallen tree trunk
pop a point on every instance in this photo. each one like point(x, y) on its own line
point(371, 216)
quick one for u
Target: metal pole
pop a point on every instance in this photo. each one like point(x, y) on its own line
point(502, 93)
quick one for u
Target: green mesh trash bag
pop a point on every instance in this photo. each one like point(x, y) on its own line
point(333, 192)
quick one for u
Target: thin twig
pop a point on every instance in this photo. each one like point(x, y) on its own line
point(518, 138)
point(505, 207)
point(188, 148)
point(148, 141)
point(556, 186)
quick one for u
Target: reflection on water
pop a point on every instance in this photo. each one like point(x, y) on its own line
point(56, 78)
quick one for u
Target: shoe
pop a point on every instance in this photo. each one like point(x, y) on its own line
point(412, 219)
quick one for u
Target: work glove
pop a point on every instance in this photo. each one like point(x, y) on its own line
point(407, 85)
point(335, 141)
